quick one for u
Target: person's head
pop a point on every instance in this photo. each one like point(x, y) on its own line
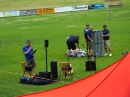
point(104, 26)
point(77, 37)
point(87, 25)
point(28, 43)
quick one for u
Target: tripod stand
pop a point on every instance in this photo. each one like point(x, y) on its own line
point(45, 74)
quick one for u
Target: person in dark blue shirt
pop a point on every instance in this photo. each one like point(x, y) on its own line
point(85, 33)
point(106, 38)
point(89, 39)
point(71, 41)
point(28, 52)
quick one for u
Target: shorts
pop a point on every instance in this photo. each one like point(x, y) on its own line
point(106, 43)
point(31, 63)
point(71, 45)
point(90, 45)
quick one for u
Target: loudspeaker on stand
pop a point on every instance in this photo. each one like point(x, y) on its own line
point(46, 43)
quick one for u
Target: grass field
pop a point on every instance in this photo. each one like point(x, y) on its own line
point(14, 31)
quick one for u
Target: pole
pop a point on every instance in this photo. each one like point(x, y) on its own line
point(46, 60)
point(87, 50)
point(90, 63)
point(68, 58)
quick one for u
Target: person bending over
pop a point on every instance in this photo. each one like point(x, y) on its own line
point(71, 43)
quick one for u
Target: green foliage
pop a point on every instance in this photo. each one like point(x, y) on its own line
point(14, 31)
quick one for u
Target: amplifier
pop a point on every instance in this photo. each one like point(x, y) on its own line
point(45, 74)
point(90, 65)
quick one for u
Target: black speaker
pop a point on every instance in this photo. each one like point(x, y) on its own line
point(46, 43)
point(45, 74)
point(90, 65)
point(54, 71)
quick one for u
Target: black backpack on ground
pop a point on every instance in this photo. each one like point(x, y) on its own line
point(41, 81)
point(35, 81)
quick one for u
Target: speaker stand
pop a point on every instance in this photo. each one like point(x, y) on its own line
point(89, 57)
point(46, 59)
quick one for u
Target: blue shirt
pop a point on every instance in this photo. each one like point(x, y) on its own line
point(87, 33)
point(29, 55)
point(85, 30)
point(105, 32)
point(73, 39)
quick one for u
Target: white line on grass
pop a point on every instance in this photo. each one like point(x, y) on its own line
point(120, 18)
point(32, 27)
point(71, 26)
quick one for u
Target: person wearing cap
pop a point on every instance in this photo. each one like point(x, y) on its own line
point(89, 39)
point(71, 41)
point(28, 52)
point(106, 38)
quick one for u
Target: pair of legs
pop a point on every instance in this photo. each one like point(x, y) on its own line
point(107, 47)
point(74, 52)
point(72, 46)
point(90, 48)
point(31, 63)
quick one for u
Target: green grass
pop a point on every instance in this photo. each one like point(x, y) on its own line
point(14, 31)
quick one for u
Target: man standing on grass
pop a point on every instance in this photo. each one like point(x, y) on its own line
point(71, 41)
point(89, 39)
point(28, 52)
point(106, 37)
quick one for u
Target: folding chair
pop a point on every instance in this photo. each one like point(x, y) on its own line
point(25, 69)
point(66, 70)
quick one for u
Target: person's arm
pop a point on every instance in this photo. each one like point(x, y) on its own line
point(78, 46)
point(26, 52)
point(102, 33)
point(77, 42)
point(90, 39)
point(85, 36)
point(106, 35)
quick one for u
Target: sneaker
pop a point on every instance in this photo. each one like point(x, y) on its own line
point(110, 54)
point(106, 55)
